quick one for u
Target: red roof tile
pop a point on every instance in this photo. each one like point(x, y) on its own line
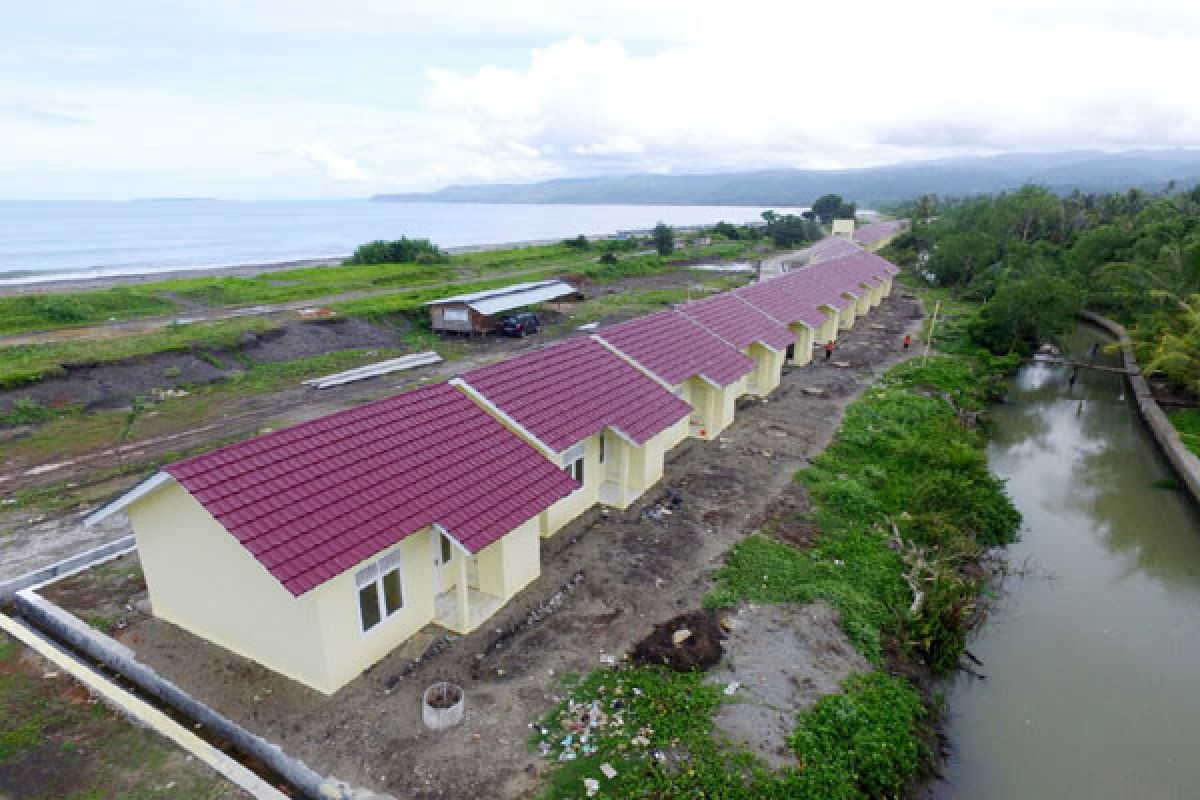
point(569, 391)
point(675, 347)
point(311, 501)
point(869, 234)
point(791, 298)
point(738, 322)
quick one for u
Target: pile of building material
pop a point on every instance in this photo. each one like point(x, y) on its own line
point(374, 370)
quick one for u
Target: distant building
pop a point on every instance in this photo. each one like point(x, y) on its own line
point(481, 312)
point(878, 235)
point(843, 228)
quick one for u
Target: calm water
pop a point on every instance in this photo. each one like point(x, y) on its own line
point(1092, 661)
point(44, 241)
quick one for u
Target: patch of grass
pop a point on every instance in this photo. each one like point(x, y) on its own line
point(864, 742)
point(21, 313)
point(21, 364)
point(906, 502)
point(658, 736)
point(30, 412)
point(1187, 422)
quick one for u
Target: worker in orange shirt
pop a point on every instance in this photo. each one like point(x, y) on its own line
point(828, 349)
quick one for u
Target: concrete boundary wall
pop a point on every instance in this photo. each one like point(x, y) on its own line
point(1184, 461)
point(68, 566)
point(82, 638)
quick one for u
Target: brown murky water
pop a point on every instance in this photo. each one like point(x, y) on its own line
point(1093, 655)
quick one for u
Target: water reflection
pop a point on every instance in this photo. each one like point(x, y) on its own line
point(1091, 689)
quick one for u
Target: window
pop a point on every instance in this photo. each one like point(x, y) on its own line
point(575, 469)
point(455, 315)
point(380, 590)
point(447, 550)
point(602, 448)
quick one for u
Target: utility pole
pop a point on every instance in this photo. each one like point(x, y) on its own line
point(932, 324)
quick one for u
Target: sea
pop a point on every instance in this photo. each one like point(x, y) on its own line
point(51, 241)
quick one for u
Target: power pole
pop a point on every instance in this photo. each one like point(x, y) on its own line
point(932, 324)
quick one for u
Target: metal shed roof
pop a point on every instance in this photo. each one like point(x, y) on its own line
point(507, 298)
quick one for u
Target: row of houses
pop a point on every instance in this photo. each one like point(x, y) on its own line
point(317, 549)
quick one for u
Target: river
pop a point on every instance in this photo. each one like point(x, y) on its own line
point(1092, 655)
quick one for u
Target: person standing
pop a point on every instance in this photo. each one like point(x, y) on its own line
point(907, 340)
point(828, 349)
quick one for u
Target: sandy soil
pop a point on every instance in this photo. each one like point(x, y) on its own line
point(784, 659)
point(606, 580)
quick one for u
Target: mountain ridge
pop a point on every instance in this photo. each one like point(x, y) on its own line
point(1087, 170)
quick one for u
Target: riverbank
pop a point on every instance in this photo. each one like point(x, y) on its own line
point(1088, 654)
point(889, 526)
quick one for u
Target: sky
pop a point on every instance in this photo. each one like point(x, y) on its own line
point(299, 98)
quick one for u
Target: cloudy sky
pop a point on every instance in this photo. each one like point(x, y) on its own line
point(273, 98)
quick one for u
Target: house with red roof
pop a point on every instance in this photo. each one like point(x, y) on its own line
point(317, 549)
point(700, 367)
point(806, 310)
point(877, 235)
point(601, 420)
point(766, 340)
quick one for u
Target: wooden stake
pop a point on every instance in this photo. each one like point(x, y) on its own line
point(932, 325)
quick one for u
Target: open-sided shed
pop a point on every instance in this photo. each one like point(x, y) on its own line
point(480, 312)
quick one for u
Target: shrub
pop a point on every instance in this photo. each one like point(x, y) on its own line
point(398, 251)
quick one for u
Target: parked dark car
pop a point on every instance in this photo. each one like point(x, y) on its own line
point(521, 324)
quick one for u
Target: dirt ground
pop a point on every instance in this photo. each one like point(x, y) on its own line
point(783, 658)
point(29, 539)
point(606, 580)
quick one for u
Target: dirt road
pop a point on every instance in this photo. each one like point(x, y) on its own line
point(606, 580)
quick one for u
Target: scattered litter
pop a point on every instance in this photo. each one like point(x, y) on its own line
point(49, 675)
point(732, 688)
point(608, 770)
point(813, 390)
point(591, 326)
point(592, 785)
point(605, 658)
point(680, 636)
point(841, 364)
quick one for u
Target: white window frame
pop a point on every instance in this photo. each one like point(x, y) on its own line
point(575, 470)
point(373, 574)
point(456, 315)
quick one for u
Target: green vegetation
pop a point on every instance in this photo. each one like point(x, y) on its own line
point(22, 364)
point(1034, 259)
point(1187, 422)
point(399, 251)
point(658, 736)
point(905, 507)
point(664, 239)
point(906, 504)
point(829, 207)
point(57, 742)
point(790, 230)
point(20, 313)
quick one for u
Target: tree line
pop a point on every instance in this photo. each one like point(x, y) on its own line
point(1036, 259)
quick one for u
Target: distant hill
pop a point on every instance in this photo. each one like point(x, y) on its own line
point(1089, 171)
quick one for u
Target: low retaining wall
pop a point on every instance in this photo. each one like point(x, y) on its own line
point(1184, 461)
point(82, 638)
point(65, 567)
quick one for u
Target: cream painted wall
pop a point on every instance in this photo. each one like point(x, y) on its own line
point(201, 579)
point(574, 504)
point(802, 352)
point(509, 565)
point(768, 367)
point(847, 315)
point(829, 328)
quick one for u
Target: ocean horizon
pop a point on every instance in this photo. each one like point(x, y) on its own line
point(44, 241)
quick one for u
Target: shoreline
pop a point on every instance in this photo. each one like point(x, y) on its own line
point(69, 284)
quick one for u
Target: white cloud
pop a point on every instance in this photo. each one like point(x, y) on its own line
point(336, 166)
point(826, 87)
